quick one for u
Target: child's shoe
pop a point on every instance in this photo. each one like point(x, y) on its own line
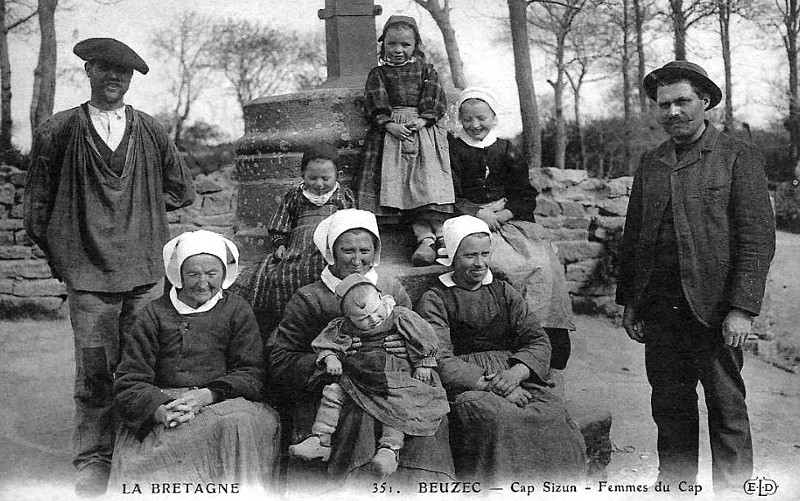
point(384, 463)
point(309, 449)
point(441, 250)
point(425, 254)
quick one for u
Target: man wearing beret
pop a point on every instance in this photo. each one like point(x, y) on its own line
point(101, 178)
point(698, 240)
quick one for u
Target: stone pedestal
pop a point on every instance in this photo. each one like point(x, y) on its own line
point(268, 155)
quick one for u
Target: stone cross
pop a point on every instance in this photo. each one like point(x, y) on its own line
point(350, 39)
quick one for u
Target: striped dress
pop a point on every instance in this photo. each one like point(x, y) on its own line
point(270, 284)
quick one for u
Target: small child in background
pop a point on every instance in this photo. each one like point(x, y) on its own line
point(408, 399)
point(406, 166)
point(296, 261)
point(491, 183)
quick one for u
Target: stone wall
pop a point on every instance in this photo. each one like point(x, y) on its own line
point(581, 215)
point(28, 289)
point(584, 218)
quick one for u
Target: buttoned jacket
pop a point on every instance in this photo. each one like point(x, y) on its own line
point(724, 225)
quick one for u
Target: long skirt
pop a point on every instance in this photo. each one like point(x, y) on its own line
point(522, 255)
point(404, 175)
point(494, 441)
point(233, 441)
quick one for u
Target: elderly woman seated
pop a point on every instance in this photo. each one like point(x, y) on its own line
point(190, 378)
point(507, 422)
point(350, 242)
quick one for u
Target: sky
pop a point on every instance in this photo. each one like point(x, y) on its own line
point(479, 26)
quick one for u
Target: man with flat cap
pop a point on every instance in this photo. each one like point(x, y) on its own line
point(101, 178)
point(698, 240)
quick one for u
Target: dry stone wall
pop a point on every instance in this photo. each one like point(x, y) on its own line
point(584, 218)
point(27, 287)
point(581, 215)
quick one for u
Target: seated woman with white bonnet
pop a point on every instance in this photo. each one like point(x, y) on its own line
point(191, 377)
point(507, 422)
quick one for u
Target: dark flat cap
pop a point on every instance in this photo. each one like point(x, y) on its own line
point(682, 69)
point(110, 51)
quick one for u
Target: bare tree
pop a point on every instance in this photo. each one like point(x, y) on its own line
point(683, 14)
point(557, 19)
point(531, 129)
point(639, 17)
point(186, 44)
point(587, 49)
point(788, 24)
point(260, 61)
point(440, 12)
point(724, 10)
point(44, 76)
point(8, 21)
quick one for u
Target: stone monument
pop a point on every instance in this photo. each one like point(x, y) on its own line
point(277, 127)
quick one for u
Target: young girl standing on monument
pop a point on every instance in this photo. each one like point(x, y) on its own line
point(406, 164)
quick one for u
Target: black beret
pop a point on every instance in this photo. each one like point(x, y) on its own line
point(110, 51)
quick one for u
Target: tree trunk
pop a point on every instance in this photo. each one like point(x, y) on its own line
point(790, 42)
point(442, 18)
point(626, 85)
point(724, 11)
point(576, 89)
point(638, 22)
point(679, 28)
point(44, 76)
point(558, 104)
point(5, 85)
point(531, 130)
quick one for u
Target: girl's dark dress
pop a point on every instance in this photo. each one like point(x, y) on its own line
point(522, 254)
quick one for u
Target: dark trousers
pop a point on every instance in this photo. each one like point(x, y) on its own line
point(98, 319)
point(679, 352)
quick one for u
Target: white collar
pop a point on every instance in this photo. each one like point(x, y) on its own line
point(447, 279)
point(94, 111)
point(331, 281)
point(185, 309)
point(384, 62)
point(319, 200)
point(487, 141)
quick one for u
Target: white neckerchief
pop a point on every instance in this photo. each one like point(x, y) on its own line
point(319, 200)
point(185, 309)
point(109, 124)
point(447, 279)
point(331, 281)
point(384, 62)
point(487, 141)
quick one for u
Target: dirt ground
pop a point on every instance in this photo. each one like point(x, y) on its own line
point(606, 370)
point(783, 310)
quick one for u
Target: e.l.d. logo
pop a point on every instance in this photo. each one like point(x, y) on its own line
point(762, 486)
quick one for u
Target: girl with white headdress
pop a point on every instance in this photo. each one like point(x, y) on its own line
point(191, 377)
point(490, 180)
